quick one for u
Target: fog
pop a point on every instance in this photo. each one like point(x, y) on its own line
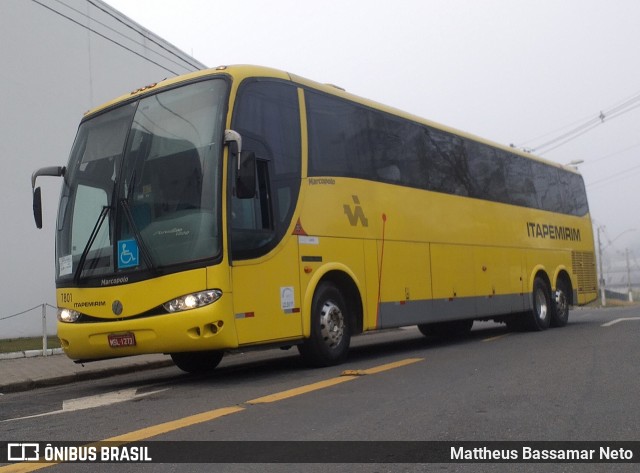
point(512, 71)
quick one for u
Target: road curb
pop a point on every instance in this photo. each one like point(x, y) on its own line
point(29, 384)
point(30, 354)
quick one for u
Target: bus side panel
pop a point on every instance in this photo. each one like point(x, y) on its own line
point(518, 280)
point(320, 256)
point(547, 261)
point(405, 283)
point(498, 280)
point(452, 282)
point(371, 264)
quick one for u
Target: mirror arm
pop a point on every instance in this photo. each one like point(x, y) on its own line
point(53, 171)
point(231, 136)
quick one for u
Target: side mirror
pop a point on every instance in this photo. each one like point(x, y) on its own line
point(246, 177)
point(37, 206)
point(54, 171)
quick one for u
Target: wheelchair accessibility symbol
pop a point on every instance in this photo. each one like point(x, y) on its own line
point(128, 256)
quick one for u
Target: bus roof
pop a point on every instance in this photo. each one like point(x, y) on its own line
point(240, 72)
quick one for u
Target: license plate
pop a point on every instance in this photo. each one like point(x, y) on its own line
point(119, 340)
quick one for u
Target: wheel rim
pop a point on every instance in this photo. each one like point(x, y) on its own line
point(331, 324)
point(562, 302)
point(542, 305)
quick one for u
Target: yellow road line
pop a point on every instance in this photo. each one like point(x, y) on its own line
point(347, 375)
point(159, 429)
point(391, 366)
point(497, 337)
point(24, 467)
point(301, 390)
point(170, 426)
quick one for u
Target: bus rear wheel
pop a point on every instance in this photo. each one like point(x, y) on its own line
point(560, 312)
point(330, 331)
point(539, 317)
point(197, 361)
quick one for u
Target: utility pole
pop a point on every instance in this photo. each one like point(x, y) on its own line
point(603, 297)
point(44, 329)
point(629, 277)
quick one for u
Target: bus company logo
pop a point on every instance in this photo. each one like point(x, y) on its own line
point(552, 232)
point(85, 304)
point(356, 214)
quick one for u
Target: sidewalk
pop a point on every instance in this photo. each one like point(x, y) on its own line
point(24, 371)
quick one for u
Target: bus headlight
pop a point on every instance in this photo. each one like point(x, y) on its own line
point(193, 301)
point(68, 315)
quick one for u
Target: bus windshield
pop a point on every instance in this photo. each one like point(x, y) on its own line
point(142, 189)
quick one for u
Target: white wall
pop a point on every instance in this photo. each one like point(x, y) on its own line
point(53, 69)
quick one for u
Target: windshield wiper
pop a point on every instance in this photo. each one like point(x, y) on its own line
point(92, 239)
point(146, 256)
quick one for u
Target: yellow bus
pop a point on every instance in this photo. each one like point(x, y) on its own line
point(244, 206)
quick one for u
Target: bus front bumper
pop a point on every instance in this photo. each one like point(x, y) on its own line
point(201, 329)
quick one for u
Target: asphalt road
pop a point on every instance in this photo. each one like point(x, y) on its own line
point(580, 382)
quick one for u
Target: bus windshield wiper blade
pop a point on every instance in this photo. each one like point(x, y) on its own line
point(144, 251)
point(92, 239)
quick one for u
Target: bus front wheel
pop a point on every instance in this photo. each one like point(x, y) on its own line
point(330, 331)
point(197, 361)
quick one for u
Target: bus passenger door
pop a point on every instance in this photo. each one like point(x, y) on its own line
point(264, 271)
point(263, 252)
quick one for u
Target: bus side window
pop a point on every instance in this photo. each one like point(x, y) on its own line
point(254, 214)
point(267, 117)
point(252, 226)
point(547, 187)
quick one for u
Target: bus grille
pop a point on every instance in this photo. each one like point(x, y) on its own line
point(584, 267)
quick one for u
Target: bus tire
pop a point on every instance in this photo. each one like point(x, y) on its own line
point(539, 317)
point(452, 329)
point(560, 305)
point(330, 337)
point(197, 361)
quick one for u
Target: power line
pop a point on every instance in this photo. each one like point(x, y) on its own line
point(620, 174)
point(567, 137)
point(584, 126)
point(109, 39)
point(137, 31)
point(633, 255)
point(614, 177)
point(550, 133)
point(615, 153)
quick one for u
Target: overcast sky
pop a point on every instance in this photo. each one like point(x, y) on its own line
point(513, 71)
